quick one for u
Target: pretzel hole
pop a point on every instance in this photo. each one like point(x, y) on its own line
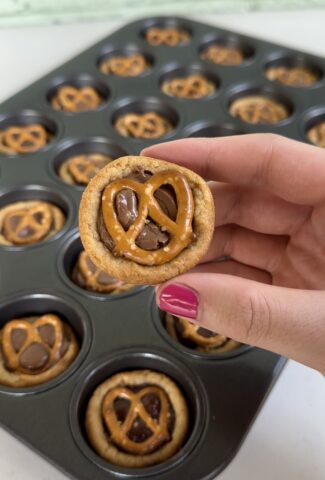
point(204, 332)
point(14, 221)
point(139, 432)
point(38, 216)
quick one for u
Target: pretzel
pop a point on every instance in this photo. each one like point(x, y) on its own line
point(146, 125)
point(194, 86)
point(23, 139)
point(180, 231)
point(316, 134)
point(73, 99)
point(192, 332)
point(222, 55)
point(83, 168)
point(258, 109)
point(91, 276)
point(119, 432)
point(166, 36)
point(26, 226)
point(293, 77)
point(124, 66)
point(32, 336)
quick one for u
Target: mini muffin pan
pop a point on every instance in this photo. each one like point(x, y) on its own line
point(124, 332)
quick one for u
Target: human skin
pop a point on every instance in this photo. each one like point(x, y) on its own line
point(269, 195)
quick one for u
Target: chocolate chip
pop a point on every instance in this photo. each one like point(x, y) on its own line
point(92, 267)
point(14, 221)
point(47, 334)
point(26, 232)
point(35, 357)
point(18, 337)
point(204, 332)
point(151, 237)
point(126, 205)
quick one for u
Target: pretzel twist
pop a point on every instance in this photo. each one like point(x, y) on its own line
point(297, 76)
point(119, 432)
point(258, 110)
point(130, 66)
point(84, 167)
point(223, 55)
point(25, 139)
point(33, 336)
point(146, 125)
point(91, 276)
point(180, 230)
point(35, 223)
point(194, 86)
point(166, 36)
point(191, 332)
point(72, 99)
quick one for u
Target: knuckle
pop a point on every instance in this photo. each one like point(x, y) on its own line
point(256, 317)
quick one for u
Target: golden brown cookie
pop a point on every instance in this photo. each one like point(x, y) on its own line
point(136, 419)
point(198, 338)
point(223, 55)
point(192, 87)
point(142, 125)
point(292, 76)
point(170, 37)
point(86, 275)
point(316, 134)
point(80, 169)
point(124, 65)
point(76, 99)
point(258, 109)
point(35, 350)
point(29, 222)
point(144, 221)
point(23, 139)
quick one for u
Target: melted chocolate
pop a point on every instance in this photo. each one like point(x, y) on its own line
point(18, 337)
point(204, 332)
point(126, 205)
point(34, 357)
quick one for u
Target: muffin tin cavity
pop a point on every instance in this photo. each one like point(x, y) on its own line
point(313, 126)
point(77, 94)
point(76, 147)
point(137, 359)
point(38, 193)
point(66, 262)
point(167, 32)
point(204, 83)
point(279, 65)
point(279, 107)
point(234, 51)
point(143, 128)
point(29, 304)
point(160, 321)
point(207, 129)
point(26, 132)
point(126, 61)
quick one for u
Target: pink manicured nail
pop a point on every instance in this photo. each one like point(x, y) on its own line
point(179, 300)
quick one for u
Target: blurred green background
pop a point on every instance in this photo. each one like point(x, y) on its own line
point(28, 12)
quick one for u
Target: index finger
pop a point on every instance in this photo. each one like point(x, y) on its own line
point(290, 169)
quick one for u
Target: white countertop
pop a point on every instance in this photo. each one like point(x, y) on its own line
point(287, 441)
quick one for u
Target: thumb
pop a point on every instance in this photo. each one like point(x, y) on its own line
point(287, 321)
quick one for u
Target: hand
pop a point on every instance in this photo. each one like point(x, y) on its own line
point(270, 222)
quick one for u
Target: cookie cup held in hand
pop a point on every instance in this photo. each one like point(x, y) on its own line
point(128, 270)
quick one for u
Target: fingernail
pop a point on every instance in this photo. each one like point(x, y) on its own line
point(180, 300)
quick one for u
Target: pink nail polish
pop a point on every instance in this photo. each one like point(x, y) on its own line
point(180, 300)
